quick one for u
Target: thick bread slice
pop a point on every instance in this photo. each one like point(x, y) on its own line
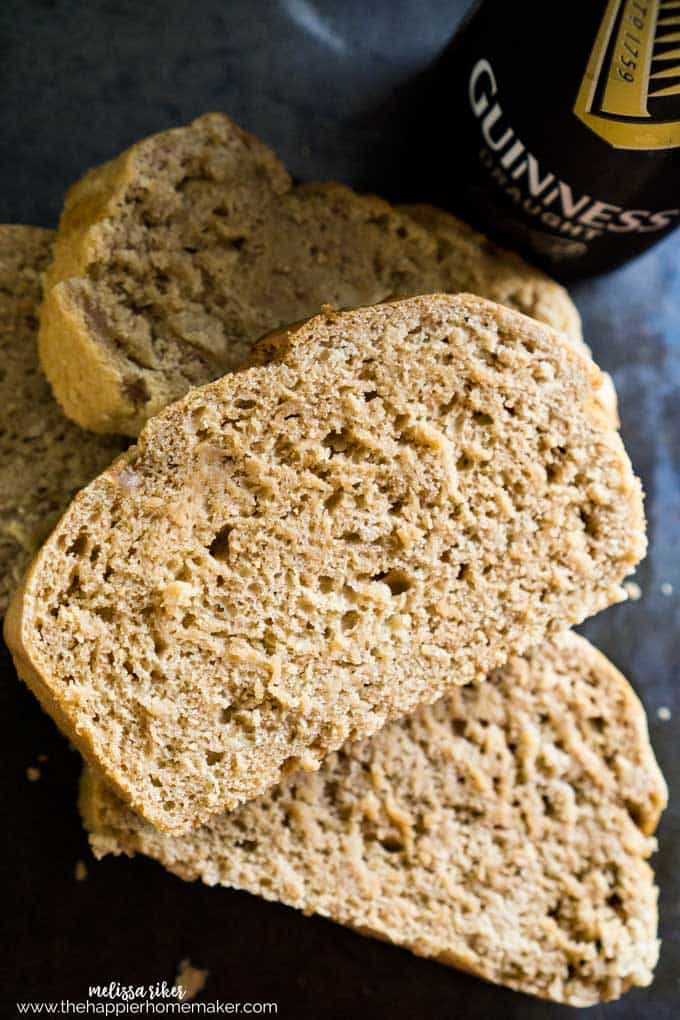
point(44, 459)
point(174, 258)
point(503, 830)
point(301, 551)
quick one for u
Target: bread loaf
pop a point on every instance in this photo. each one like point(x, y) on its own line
point(502, 830)
point(403, 496)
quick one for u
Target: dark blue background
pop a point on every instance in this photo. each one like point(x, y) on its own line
point(330, 85)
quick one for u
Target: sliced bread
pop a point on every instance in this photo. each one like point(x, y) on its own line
point(503, 830)
point(297, 553)
point(44, 459)
point(174, 258)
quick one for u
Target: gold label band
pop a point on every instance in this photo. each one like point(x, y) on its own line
point(634, 59)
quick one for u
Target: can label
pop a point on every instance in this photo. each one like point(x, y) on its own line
point(565, 120)
point(540, 193)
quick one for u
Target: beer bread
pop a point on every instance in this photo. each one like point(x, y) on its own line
point(503, 830)
point(174, 258)
point(44, 458)
point(299, 552)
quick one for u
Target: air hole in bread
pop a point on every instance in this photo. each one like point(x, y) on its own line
point(349, 620)
point(219, 547)
point(159, 644)
point(481, 418)
point(333, 500)
point(590, 523)
point(397, 581)
point(337, 442)
point(249, 845)
point(392, 845)
point(78, 546)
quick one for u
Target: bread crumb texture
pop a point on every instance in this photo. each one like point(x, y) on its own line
point(503, 830)
point(171, 260)
point(402, 497)
point(44, 459)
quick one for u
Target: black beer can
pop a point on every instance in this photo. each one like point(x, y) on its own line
point(560, 127)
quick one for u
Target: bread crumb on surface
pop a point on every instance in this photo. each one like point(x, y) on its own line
point(32, 774)
point(190, 979)
point(663, 713)
point(80, 871)
point(633, 591)
point(666, 588)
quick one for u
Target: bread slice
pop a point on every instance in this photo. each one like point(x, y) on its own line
point(44, 459)
point(502, 830)
point(301, 551)
point(174, 258)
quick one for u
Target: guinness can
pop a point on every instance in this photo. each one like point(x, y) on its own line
point(561, 123)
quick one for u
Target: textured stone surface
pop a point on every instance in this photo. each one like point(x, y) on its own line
point(79, 81)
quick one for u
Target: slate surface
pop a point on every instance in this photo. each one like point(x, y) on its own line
point(329, 85)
